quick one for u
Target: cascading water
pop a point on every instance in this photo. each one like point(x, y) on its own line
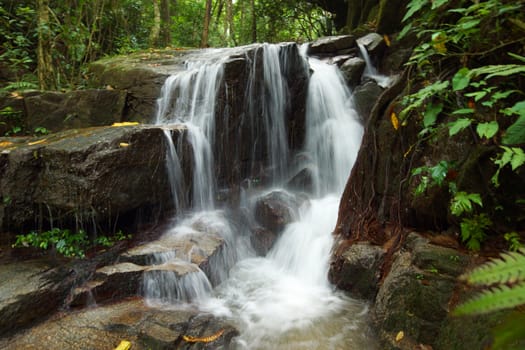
point(283, 300)
point(371, 71)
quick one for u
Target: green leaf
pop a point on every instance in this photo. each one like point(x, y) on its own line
point(438, 3)
point(413, 7)
point(518, 158)
point(498, 298)
point(478, 95)
point(509, 268)
point(461, 79)
point(499, 70)
point(431, 113)
point(458, 125)
point(462, 203)
point(515, 134)
point(463, 111)
point(487, 130)
point(518, 57)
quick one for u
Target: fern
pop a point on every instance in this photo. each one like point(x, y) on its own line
point(509, 269)
point(498, 298)
point(508, 273)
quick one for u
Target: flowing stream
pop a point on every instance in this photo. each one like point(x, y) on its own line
point(282, 300)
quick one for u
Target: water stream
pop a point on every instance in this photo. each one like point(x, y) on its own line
point(284, 299)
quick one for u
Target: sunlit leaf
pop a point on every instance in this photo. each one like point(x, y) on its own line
point(487, 130)
point(461, 79)
point(458, 125)
point(431, 113)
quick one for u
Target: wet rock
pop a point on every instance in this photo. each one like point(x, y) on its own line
point(109, 176)
point(365, 96)
point(57, 111)
point(262, 240)
point(30, 291)
point(122, 280)
point(276, 209)
point(415, 294)
point(197, 248)
point(331, 44)
point(352, 70)
point(144, 327)
point(360, 271)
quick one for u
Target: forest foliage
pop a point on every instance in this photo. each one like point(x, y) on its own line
point(76, 32)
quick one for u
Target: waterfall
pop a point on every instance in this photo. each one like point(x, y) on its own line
point(283, 300)
point(371, 71)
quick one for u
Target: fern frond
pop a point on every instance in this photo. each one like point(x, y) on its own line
point(510, 268)
point(498, 298)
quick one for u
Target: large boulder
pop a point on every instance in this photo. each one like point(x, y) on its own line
point(415, 295)
point(105, 327)
point(360, 271)
point(331, 45)
point(56, 111)
point(107, 177)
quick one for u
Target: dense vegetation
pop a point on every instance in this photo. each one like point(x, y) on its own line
point(48, 43)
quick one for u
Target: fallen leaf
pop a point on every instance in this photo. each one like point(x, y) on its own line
point(209, 339)
point(37, 142)
point(124, 345)
point(124, 144)
point(125, 124)
point(400, 335)
point(5, 144)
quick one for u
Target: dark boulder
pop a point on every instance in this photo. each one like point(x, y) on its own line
point(331, 45)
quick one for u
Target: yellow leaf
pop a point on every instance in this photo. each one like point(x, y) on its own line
point(124, 144)
point(400, 336)
point(5, 144)
point(394, 120)
point(124, 345)
point(209, 339)
point(37, 142)
point(387, 40)
point(125, 124)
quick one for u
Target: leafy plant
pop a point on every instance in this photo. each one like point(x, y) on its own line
point(65, 242)
point(513, 240)
point(504, 283)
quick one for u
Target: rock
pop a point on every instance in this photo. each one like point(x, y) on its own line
point(262, 240)
point(57, 111)
point(146, 328)
point(109, 176)
point(331, 44)
point(276, 209)
point(415, 294)
point(365, 96)
point(360, 271)
point(197, 248)
point(30, 291)
point(373, 43)
point(352, 70)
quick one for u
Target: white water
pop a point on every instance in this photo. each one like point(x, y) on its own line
point(283, 300)
point(371, 71)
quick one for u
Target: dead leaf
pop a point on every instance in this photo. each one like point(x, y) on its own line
point(37, 142)
point(209, 339)
point(6, 143)
point(125, 124)
point(124, 144)
point(387, 40)
point(124, 345)
point(400, 335)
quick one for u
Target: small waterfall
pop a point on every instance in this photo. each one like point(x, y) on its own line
point(333, 130)
point(174, 169)
point(371, 71)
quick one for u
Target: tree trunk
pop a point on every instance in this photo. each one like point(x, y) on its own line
point(254, 22)
point(206, 29)
point(165, 29)
point(230, 36)
point(155, 29)
point(46, 77)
